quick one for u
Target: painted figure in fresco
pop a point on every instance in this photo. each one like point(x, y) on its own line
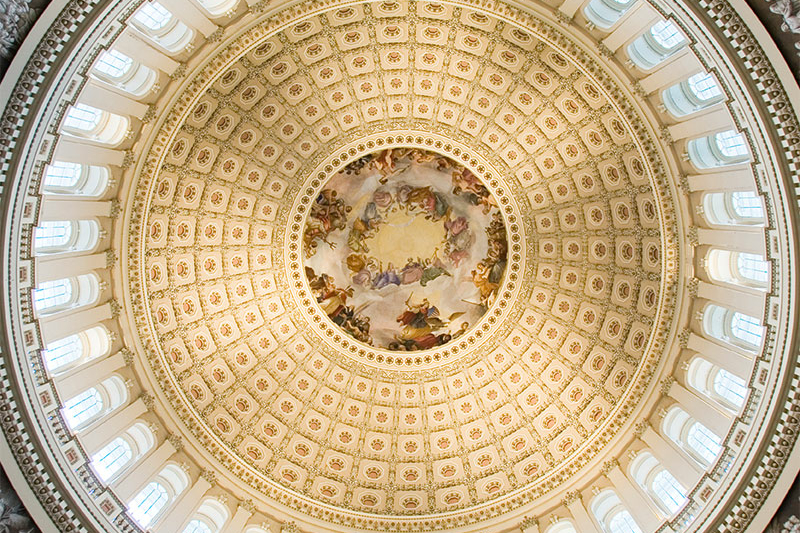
point(433, 203)
point(328, 214)
point(333, 301)
point(467, 184)
point(488, 273)
point(459, 240)
point(421, 323)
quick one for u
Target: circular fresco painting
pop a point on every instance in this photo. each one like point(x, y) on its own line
point(404, 249)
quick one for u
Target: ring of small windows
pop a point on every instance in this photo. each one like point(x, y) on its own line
point(158, 24)
point(658, 483)
point(699, 442)
point(57, 296)
point(694, 94)
point(153, 499)
point(605, 13)
point(655, 45)
point(744, 208)
point(718, 150)
point(62, 236)
point(117, 69)
point(733, 327)
point(88, 122)
point(95, 402)
point(75, 179)
point(612, 515)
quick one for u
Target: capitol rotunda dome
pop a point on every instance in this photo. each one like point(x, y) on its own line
point(334, 266)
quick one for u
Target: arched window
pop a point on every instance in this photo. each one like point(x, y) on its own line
point(747, 205)
point(668, 491)
point(61, 175)
point(156, 21)
point(153, 499)
point(703, 441)
point(53, 235)
point(715, 383)
point(662, 40)
point(696, 93)
point(95, 124)
point(731, 144)
point(562, 526)
point(697, 440)
point(747, 329)
point(58, 236)
point(658, 482)
point(82, 117)
point(63, 354)
point(704, 87)
point(146, 505)
point(52, 296)
point(94, 402)
point(612, 516)
point(84, 407)
point(75, 179)
point(721, 149)
point(736, 328)
point(730, 387)
point(606, 13)
point(217, 8)
point(753, 268)
point(738, 268)
point(112, 458)
point(209, 518)
point(121, 71)
point(153, 16)
point(667, 34)
point(113, 64)
point(733, 208)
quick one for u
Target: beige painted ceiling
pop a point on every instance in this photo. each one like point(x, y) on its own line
point(297, 410)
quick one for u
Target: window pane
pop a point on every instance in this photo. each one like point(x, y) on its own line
point(731, 144)
point(666, 34)
point(83, 117)
point(623, 522)
point(146, 505)
point(60, 174)
point(747, 328)
point(52, 234)
point(197, 526)
point(747, 205)
point(110, 460)
point(62, 352)
point(669, 491)
point(730, 386)
point(52, 293)
point(153, 16)
point(704, 86)
point(113, 64)
point(753, 267)
point(83, 407)
point(704, 442)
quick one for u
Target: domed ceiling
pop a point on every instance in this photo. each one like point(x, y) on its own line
point(337, 287)
point(410, 266)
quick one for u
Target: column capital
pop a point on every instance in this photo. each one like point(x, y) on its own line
point(640, 428)
point(176, 441)
point(609, 465)
point(571, 497)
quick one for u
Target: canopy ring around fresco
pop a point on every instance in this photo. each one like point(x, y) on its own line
point(477, 332)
